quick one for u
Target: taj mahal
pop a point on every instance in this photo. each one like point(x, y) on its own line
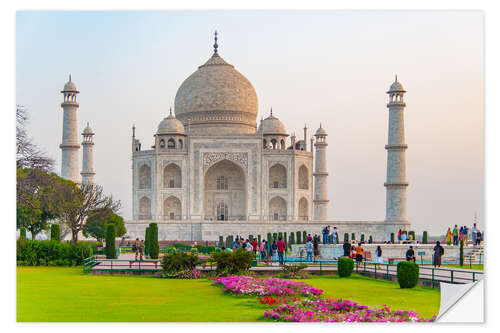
point(214, 170)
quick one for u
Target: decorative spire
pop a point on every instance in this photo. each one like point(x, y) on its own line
point(170, 111)
point(215, 44)
point(319, 125)
point(396, 78)
point(271, 111)
point(69, 77)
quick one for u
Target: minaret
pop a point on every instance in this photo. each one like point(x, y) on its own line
point(305, 137)
point(396, 183)
point(88, 156)
point(320, 177)
point(69, 145)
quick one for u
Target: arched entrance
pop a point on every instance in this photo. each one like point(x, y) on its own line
point(277, 209)
point(224, 193)
point(172, 208)
point(303, 210)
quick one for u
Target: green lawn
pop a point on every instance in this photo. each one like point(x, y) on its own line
point(66, 294)
point(465, 266)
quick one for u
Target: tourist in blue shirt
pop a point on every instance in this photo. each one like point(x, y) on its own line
point(309, 250)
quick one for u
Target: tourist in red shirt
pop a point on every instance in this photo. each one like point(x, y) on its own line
point(281, 250)
point(254, 245)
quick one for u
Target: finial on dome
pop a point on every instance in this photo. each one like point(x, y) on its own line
point(320, 125)
point(215, 44)
point(271, 111)
point(69, 77)
point(396, 78)
point(170, 110)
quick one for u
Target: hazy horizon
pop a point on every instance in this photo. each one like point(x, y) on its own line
point(332, 67)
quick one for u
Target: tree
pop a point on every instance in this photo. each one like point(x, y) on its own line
point(97, 221)
point(154, 247)
point(28, 154)
point(55, 232)
point(110, 242)
point(39, 198)
point(80, 202)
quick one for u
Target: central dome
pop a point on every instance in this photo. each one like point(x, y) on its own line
point(217, 99)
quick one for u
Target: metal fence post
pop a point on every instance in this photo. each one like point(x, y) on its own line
point(432, 277)
point(473, 276)
point(451, 275)
point(111, 267)
point(320, 269)
point(387, 274)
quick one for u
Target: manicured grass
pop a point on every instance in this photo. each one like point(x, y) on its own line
point(465, 266)
point(367, 291)
point(66, 294)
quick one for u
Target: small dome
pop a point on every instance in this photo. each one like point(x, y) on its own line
point(87, 130)
point(320, 131)
point(396, 87)
point(69, 86)
point(170, 125)
point(272, 125)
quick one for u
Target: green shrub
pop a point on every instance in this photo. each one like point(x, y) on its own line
point(292, 238)
point(55, 232)
point(175, 262)
point(49, 252)
point(345, 266)
point(370, 239)
point(362, 238)
point(146, 240)
point(221, 241)
point(407, 274)
point(235, 262)
point(269, 238)
point(304, 237)
point(259, 239)
point(411, 235)
point(298, 237)
point(110, 242)
point(275, 236)
point(353, 236)
point(154, 247)
point(346, 237)
point(424, 238)
point(392, 238)
point(22, 232)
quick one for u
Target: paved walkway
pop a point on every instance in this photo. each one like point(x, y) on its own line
point(126, 262)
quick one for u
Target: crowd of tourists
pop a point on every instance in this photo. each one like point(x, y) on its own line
point(456, 235)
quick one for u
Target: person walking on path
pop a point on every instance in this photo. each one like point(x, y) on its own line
point(324, 233)
point(378, 256)
point(474, 234)
point(262, 249)
point(455, 235)
point(269, 251)
point(316, 247)
point(410, 254)
point(359, 253)
point(466, 234)
point(281, 250)
point(347, 248)
point(139, 247)
point(449, 236)
point(309, 238)
point(274, 247)
point(399, 236)
point(335, 236)
point(461, 234)
point(309, 251)
point(438, 253)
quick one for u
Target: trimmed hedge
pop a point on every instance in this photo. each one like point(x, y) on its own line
point(110, 241)
point(55, 232)
point(392, 238)
point(424, 237)
point(345, 266)
point(299, 241)
point(407, 274)
point(52, 253)
point(346, 237)
point(175, 262)
point(229, 263)
point(154, 246)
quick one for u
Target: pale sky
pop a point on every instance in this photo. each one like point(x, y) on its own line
point(332, 67)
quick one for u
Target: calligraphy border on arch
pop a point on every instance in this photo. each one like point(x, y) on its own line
point(210, 159)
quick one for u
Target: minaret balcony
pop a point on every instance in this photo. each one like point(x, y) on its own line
point(400, 184)
point(397, 104)
point(396, 147)
point(70, 103)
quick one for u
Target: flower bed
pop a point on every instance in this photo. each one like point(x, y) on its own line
point(185, 274)
point(331, 310)
point(265, 287)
